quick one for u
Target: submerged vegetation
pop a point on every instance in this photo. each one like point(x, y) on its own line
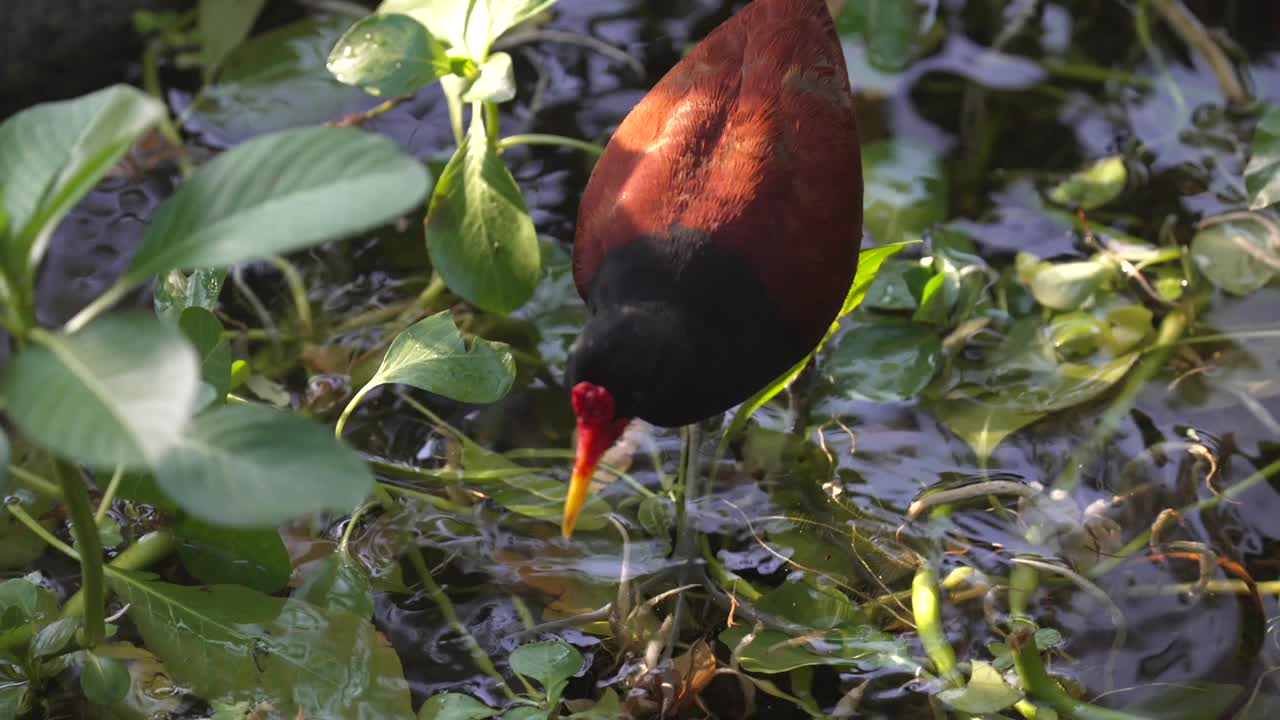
point(302, 451)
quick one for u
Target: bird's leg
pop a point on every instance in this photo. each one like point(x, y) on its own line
point(687, 483)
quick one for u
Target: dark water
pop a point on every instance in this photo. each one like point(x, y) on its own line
point(1001, 121)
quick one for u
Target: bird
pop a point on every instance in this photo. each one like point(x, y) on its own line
point(718, 234)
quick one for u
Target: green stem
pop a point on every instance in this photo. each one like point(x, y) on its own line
point(438, 503)
point(109, 495)
point(298, 292)
point(350, 408)
point(511, 141)
point(1185, 24)
point(1094, 73)
point(37, 483)
point(99, 305)
point(352, 522)
point(76, 500)
point(1037, 683)
point(149, 550)
point(24, 517)
point(926, 607)
point(1231, 337)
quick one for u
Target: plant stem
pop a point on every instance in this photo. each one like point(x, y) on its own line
point(37, 483)
point(511, 141)
point(350, 408)
point(149, 550)
point(926, 607)
point(1193, 33)
point(99, 305)
point(352, 522)
point(298, 292)
point(76, 499)
point(1036, 681)
point(109, 495)
point(39, 531)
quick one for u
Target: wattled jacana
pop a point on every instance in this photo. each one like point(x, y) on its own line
point(719, 233)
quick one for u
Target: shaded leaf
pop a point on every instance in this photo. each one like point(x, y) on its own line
point(479, 233)
point(1262, 174)
point(52, 154)
point(118, 392)
point(1093, 186)
point(883, 361)
point(986, 692)
point(232, 644)
point(255, 558)
point(1237, 256)
point(454, 706)
point(6, 480)
point(176, 291)
point(388, 54)
point(433, 356)
point(204, 330)
point(223, 24)
point(550, 663)
point(906, 190)
point(773, 651)
point(279, 193)
point(251, 466)
point(104, 680)
point(340, 583)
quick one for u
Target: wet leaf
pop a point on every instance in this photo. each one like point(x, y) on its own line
point(1233, 255)
point(773, 651)
point(388, 55)
point(104, 680)
point(340, 583)
point(986, 692)
point(54, 637)
point(1069, 285)
point(433, 356)
point(1094, 186)
point(454, 706)
point(479, 233)
point(251, 466)
point(52, 154)
point(255, 558)
point(152, 693)
point(1262, 175)
point(280, 193)
point(886, 360)
point(550, 663)
point(898, 286)
point(524, 492)
point(277, 80)
point(118, 392)
point(497, 81)
point(804, 603)
point(906, 190)
point(232, 644)
point(204, 330)
point(176, 291)
point(869, 264)
point(443, 19)
point(223, 25)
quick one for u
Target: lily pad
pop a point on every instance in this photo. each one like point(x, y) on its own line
point(1237, 256)
point(884, 360)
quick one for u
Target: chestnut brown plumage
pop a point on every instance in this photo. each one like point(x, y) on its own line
point(719, 233)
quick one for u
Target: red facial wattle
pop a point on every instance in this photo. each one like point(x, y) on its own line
point(598, 429)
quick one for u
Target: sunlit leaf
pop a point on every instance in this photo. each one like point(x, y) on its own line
point(496, 83)
point(479, 233)
point(176, 291)
point(1069, 285)
point(550, 663)
point(883, 361)
point(906, 190)
point(454, 706)
point(232, 644)
point(251, 466)
point(1237, 256)
point(118, 392)
point(223, 25)
point(279, 193)
point(986, 692)
point(340, 583)
point(255, 558)
point(104, 680)
point(489, 19)
point(898, 286)
point(388, 54)
point(204, 330)
point(869, 264)
point(1094, 186)
point(433, 356)
point(1262, 175)
point(52, 154)
point(443, 19)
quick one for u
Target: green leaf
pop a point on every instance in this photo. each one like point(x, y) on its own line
point(898, 286)
point(443, 19)
point(255, 558)
point(279, 193)
point(555, 309)
point(489, 19)
point(1237, 256)
point(224, 24)
point(54, 637)
point(176, 291)
point(773, 651)
point(15, 698)
point(869, 262)
point(906, 190)
point(479, 233)
point(118, 392)
point(496, 83)
point(892, 29)
point(936, 299)
point(1262, 174)
point(277, 80)
point(104, 680)
point(1069, 285)
point(433, 356)
point(986, 692)
point(251, 466)
point(1094, 186)
point(204, 330)
point(454, 706)
point(389, 55)
point(883, 361)
point(340, 583)
point(550, 663)
point(232, 644)
point(6, 480)
point(23, 602)
point(52, 154)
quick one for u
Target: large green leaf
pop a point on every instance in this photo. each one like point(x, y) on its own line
point(551, 663)
point(52, 154)
point(279, 193)
point(479, 233)
point(1238, 256)
point(253, 557)
point(1262, 175)
point(204, 330)
point(340, 583)
point(224, 24)
point(176, 291)
point(118, 392)
point(232, 644)
point(389, 55)
point(443, 19)
point(251, 466)
point(906, 190)
point(773, 651)
point(433, 356)
point(869, 262)
point(884, 361)
point(986, 692)
point(468, 26)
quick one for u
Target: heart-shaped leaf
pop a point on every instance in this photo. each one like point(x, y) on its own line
point(118, 392)
point(1262, 174)
point(884, 361)
point(1237, 256)
point(52, 154)
point(389, 54)
point(251, 466)
point(433, 356)
point(479, 233)
point(986, 692)
point(104, 680)
point(550, 663)
point(279, 193)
